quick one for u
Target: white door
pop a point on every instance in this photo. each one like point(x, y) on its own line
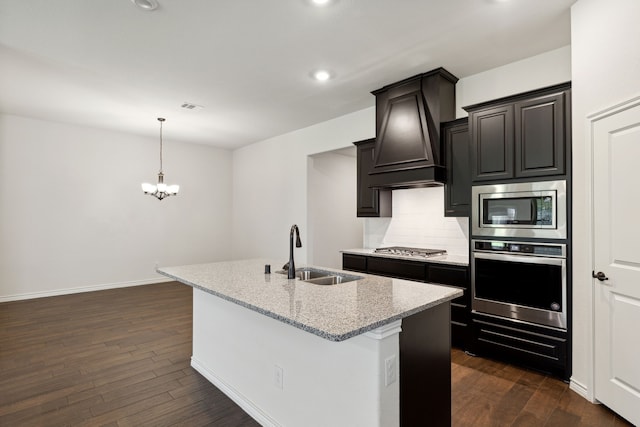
point(616, 219)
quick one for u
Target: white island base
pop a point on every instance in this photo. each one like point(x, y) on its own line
point(285, 376)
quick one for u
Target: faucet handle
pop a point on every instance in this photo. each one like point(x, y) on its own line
point(285, 267)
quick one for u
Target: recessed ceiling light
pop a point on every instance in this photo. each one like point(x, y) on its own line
point(320, 2)
point(321, 75)
point(146, 5)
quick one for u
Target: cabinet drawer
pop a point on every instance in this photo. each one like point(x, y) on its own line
point(354, 263)
point(398, 268)
point(523, 344)
point(448, 275)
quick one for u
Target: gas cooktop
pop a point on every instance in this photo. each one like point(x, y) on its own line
point(410, 252)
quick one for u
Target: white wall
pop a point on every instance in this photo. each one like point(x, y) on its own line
point(418, 221)
point(270, 184)
point(538, 71)
point(73, 216)
point(331, 218)
point(606, 72)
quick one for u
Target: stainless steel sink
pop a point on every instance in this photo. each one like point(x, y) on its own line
point(322, 277)
point(332, 280)
point(310, 273)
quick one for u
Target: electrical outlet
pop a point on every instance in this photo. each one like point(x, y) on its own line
point(278, 377)
point(390, 370)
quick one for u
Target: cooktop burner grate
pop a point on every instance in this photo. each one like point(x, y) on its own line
point(414, 252)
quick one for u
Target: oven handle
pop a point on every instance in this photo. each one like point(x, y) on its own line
point(520, 258)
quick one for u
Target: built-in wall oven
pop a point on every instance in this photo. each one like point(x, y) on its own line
point(524, 281)
point(528, 210)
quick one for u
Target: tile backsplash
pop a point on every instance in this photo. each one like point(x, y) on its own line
point(418, 221)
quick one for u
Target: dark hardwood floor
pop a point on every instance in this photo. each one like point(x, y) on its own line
point(116, 357)
point(121, 358)
point(490, 393)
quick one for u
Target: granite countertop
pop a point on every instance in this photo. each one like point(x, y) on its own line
point(336, 312)
point(440, 259)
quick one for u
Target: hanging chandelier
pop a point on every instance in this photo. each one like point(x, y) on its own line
point(160, 190)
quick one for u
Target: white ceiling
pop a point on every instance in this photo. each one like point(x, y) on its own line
point(108, 64)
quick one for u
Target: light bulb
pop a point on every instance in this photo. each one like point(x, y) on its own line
point(322, 75)
point(148, 188)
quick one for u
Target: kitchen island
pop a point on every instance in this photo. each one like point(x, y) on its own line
point(369, 352)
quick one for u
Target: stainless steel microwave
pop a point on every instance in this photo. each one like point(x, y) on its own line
point(526, 209)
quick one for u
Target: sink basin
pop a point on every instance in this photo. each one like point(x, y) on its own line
point(321, 277)
point(332, 280)
point(310, 273)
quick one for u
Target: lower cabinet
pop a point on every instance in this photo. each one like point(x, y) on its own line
point(420, 271)
point(544, 349)
point(354, 263)
point(398, 268)
point(457, 276)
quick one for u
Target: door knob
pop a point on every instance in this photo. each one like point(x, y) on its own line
point(599, 275)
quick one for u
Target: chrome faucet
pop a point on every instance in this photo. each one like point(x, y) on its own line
point(291, 271)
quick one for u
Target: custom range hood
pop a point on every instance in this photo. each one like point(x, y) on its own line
point(408, 151)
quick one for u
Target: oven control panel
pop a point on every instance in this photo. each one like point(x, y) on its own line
point(525, 248)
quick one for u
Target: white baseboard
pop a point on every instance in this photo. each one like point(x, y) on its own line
point(581, 389)
point(248, 406)
point(67, 291)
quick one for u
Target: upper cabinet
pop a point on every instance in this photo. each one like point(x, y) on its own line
point(492, 143)
point(408, 115)
point(371, 202)
point(457, 190)
point(523, 136)
point(541, 134)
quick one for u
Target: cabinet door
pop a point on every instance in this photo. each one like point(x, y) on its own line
point(540, 136)
point(492, 138)
point(457, 190)
point(370, 202)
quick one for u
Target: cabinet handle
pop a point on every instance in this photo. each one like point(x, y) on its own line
point(599, 275)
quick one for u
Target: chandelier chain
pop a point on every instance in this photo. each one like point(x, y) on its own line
point(161, 120)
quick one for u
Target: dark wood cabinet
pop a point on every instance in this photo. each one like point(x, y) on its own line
point(354, 263)
point(370, 202)
point(540, 137)
point(540, 348)
point(457, 190)
point(444, 274)
point(401, 269)
point(457, 276)
point(522, 136)
point(492, 143)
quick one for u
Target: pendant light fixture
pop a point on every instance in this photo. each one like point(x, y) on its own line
point(160, 190)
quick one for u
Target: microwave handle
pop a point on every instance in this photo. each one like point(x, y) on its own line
point(534, 211)
point(520, 258)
